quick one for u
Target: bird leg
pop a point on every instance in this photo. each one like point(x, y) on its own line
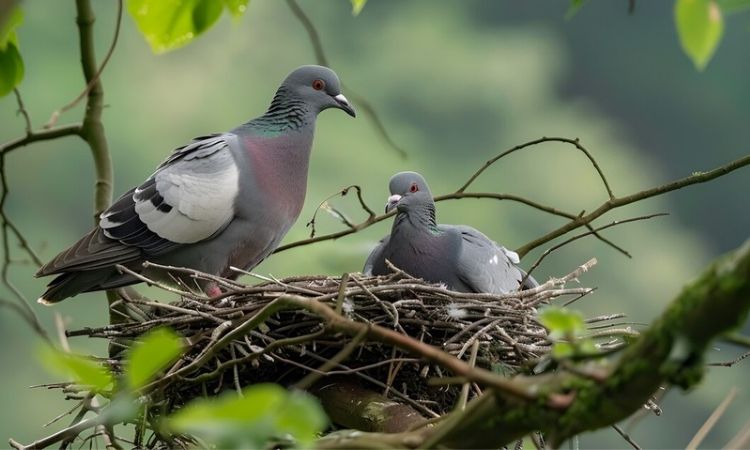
point(213, 290)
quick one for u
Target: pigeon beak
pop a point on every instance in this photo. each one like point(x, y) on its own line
point(392, 202)
point(344, 105)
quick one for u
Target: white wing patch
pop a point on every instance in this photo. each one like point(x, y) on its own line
point(201, 193)
point(512, 256)
point(494, 260)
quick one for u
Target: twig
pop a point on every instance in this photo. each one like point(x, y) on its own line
point(360, 101)
point(22, 110)
point(741, 439)
point(617, 202)
point(712, 420)
point(588, 233)
point(65, 433)
point(464, 396)
point(340, 357)
point(39, 136)
point(370, 213)
point(627, 437)
point(574, 142)
point(730, 363)
point(23, 307)
point(56, 114)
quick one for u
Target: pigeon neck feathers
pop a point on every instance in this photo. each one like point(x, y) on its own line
point(287, 113)
point(420, 218)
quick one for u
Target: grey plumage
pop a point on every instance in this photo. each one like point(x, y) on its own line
point(222, 200)
point(459, 256)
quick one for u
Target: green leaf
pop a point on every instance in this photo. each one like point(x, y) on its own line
point(563, 350)
point(699, 27)
point(11, 63)
point(7, 30)
point(11, 66)
point(561, 321)
point(158, 349)
point(82, 370)
point(170, 24)
point(302, 417)
point(357, 6)
point(263, 412)
point(236, 7)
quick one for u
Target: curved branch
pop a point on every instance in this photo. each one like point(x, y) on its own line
point(574, 142)
point(617, 202)
point(359, 100)
point(56, 114)
point(43, 135)
point(588, 233)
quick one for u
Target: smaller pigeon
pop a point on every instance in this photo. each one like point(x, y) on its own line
point(459, 256)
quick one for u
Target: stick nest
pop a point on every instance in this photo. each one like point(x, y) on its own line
point(286, 345)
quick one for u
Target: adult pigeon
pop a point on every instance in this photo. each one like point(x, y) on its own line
point(458, 256)
point(222, 200)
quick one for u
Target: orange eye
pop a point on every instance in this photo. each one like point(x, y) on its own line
point(413, 187)
point(318, 84)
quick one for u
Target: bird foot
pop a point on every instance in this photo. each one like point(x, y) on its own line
point(213, 291)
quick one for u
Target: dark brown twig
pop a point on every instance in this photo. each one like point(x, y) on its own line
point(56, 114)
point(574, 142)
point(730, 363)
point(361, 102)
point(342, 193)
point(617, 202)
point(588, 233)
point(627, 437)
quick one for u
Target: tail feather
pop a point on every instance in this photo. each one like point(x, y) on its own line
point(71, 284)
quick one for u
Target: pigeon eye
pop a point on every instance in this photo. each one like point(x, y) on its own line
point(413, 187)
point(318, 84)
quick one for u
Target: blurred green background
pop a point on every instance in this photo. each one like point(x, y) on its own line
point(455, 83)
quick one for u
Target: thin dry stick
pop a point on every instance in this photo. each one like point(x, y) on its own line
point(340, 357)
point(576, 221)
point(712, 420)
point(730, 363)
point(23, 307)
point(56, 114)
point(370, 213)
point(626, 436)
point(575, 142)
point(617, 202)
point(579, 236)
point(741, 439)
point(360, 101)
point(463, 398)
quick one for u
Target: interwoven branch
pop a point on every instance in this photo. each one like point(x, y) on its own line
point(575, 220)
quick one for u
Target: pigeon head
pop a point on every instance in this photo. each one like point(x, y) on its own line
point(409, 192)
point(317, 86)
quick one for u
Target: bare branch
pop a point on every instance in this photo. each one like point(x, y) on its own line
point(359, 100)
point(574, 142)
point(617, 202)
point(56, 114)
point(712, 420)
point(38, 136)
point(579, 236)
point(370, 213)
point(627, 437)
